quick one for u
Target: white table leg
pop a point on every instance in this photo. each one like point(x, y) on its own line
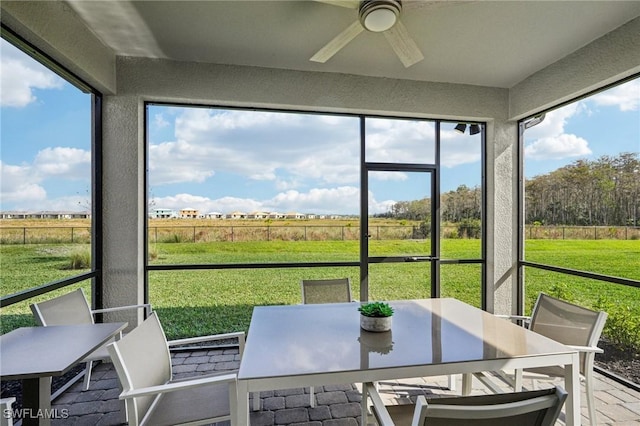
point(572, 385)
point(363, 404)
point(467, 382)
point(243, 403)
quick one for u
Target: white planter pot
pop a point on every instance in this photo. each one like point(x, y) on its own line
point(375, 324)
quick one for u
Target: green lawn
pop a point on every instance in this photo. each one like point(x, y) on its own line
point(202, 302)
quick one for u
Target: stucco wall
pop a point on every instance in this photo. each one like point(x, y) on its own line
point(123, 202)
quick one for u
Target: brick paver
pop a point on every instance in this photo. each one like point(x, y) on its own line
point(336, 405)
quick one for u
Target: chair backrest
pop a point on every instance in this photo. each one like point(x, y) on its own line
point(567, 323)
point(326, 290)
point(70, 308)
point(532, 408)
point(142, 359)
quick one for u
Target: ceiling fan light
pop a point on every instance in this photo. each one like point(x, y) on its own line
point(379, 15)
point(379, 20)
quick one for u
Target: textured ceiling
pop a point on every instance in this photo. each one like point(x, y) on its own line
point(487, 43)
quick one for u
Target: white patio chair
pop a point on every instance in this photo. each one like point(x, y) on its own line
point(73, 308)
point(6, 414)
point(572, 325)
point(143, 364)
point(334, 290)
point(533, 408)
point(331, 290)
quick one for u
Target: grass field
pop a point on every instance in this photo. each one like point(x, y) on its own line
point(202, 302)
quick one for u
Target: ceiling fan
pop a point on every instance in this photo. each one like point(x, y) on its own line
point(378, 16)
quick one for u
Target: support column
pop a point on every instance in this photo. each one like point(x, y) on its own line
point(123, 205)
point(502, 210)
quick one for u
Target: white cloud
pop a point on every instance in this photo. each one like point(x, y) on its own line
point(388, 176)
point(554, 122)
point(554, 148)
point(338, 200)
point(24, 185)
point(549, 140)
point(20, 75)
point(19, 185)
point(402, 141)
point(458, 149)
point(174, 162)
point(204, 204)
point(377, 207)
point(625, 96)
point(159, 121)
point(70, 163)
point(261, 146)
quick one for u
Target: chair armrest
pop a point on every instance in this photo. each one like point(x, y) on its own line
point(381, 413)
point(593, 349)
point(514, 317)
point(200, 339)
point(146, 306)
point(175, 386)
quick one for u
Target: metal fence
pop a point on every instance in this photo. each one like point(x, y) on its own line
point(198, 234)
point(534, 232)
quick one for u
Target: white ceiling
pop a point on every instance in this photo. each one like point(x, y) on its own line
point(486, 43)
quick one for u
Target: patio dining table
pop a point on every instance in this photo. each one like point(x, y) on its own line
point(295, 346)
point(35, 354)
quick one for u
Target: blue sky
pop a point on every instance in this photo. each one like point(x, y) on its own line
point(226, 160)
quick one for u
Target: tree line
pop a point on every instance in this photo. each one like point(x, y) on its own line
point(602, 192)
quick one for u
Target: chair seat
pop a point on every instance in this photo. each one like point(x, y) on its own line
point(100, 354)
point(195, 404)
point(401, 414)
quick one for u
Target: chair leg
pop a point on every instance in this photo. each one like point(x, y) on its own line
point(256, 401)
point(591, 403)
point(87, 375)
point(517, 380)
point(452, 382)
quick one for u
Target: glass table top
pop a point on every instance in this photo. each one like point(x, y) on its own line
point(306, 339)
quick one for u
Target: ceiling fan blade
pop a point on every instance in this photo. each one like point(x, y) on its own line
point(404, 46)
point(340, 41)
point(350, 4)
point(430, 4)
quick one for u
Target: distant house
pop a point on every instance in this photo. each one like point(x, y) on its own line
point(163, 214)
point(189, 213)
point(47, 214)
point(237, 215)
point(294, 215)
point(214, 215)
point(275, 215)
point(258, 215)
point(13, 215)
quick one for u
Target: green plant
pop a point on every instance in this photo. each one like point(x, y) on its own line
point(561, 291)
point(376, 309)
point(623, 325)
point(79, 259)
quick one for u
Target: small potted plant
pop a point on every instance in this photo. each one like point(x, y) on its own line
point(375, 316)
